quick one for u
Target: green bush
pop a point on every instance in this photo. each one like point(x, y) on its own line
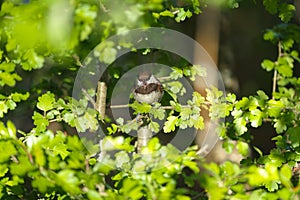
point(53, 37)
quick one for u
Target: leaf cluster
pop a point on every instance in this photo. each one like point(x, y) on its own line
point(48, 164)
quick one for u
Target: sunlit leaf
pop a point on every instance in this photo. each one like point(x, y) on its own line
point(170, 124)
point(46, 101)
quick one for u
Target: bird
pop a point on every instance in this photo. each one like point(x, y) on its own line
point(148, 89)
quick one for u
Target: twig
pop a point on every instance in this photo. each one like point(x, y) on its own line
point(78, 62)
point(274, 83)
point(103, 7)
point(275, 71)
point(162, 107)
point(119, 106)
point(89, 97)
point(164, 78)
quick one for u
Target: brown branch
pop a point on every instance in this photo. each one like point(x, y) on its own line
point(275, 70)
point(162, 107)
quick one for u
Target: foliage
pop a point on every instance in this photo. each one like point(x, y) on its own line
point(48, 164)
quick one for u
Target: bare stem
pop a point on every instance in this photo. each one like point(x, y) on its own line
point(162, 107)
point(119, 106)
point(275, 71)
point(89, 97)
point(274, 83)
point(164, 78)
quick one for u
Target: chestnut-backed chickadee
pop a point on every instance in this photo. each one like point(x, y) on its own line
point(147, 88)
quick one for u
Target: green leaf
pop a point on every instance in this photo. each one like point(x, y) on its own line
point(285, 70)
point(170, 124)
point(192, 165)
point(69, 118)
point(176, 73)
point(231, 97)
point(242, 104)
point(166, 13)
point(228, 146)
point(268, 65)
point(31, 60)
point(200, 71)
point(17, 97)
point(271, 6)
point(158, 113)
point(40, 121)
point(262, 95)
point(185, 113)
point(9, 79)
point(132, 189)
point(3, 108)
point(46, 102)
point(93, 195)
point(272, 186)
point(7, 67)
point(11, 129)
point(217, 111)
point(198, 122)
point(42, 184)
point(140, 108)
point(67, 179)
point(176, 106)
point(175, 87)
point(11, 104)
point(198, 99)
point(113, 129)
point(7, 149)
point(81, 124)
point(121, 159)
point(61, 149)
point(154, 127)
point(277, 158)
point(274, 108)
point(91, 119)
point(256, 118)
point(24, 166)
point(280, 125)
point(271, 35)
point(285, 175)
point(39, 155)
point(240, 125)
point(286, 12)
point(180, 15)
point(243, 148)
point(294, 136)
point(154, 144)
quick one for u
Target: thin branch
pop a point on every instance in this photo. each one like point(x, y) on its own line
point(78, 62)
point(103, 7)
point(274, 83)
point(164, 78)
point(175, 12)
point(89, 97)
point(162, 107)
point(118, 106)
point(275, 71)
